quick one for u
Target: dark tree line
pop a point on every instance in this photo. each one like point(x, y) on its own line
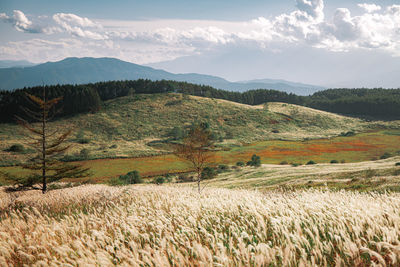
point(360, 102)
point(89, 97)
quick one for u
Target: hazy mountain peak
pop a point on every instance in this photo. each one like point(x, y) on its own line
point(74, 70)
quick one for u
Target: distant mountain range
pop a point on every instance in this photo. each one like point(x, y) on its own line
point(88, 70)
point(15, 63)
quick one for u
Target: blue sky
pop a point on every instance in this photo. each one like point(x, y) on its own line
point(333, 43)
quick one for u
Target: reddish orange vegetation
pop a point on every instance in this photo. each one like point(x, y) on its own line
point(335, 147)
point(350, 149)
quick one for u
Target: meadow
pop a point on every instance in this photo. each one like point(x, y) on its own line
point(361, 147)
point(132, 126)
point(284, 213)
point(99, 225)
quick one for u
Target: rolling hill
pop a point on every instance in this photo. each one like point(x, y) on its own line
point(137, 125)
point(88, 70)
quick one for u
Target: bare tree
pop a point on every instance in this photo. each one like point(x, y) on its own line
point(48, 143)
point(196, 148)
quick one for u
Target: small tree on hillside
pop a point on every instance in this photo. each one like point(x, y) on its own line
point(49, 145)
point(196, 148)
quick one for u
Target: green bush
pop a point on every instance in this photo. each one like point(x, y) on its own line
point(397, 164)
point(311, 162)
point(132, 177)
point(255, 161)
point(222, 168)
point(16, 148)
point(83, 140)
point(114, 146)
point(240, 163)
point(159, 180)
point(295, 164)
point(84, 153)
point(347, 134)
point(334, 161)
point(168, 178)
point(283, 163)
point(177, 133)
point(184, 178)
point(386, 155)
point(208, 173)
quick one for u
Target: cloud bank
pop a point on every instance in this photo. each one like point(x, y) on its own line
point(376, 28)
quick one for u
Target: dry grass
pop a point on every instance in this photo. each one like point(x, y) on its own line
point(165, 225)
point(384, 175)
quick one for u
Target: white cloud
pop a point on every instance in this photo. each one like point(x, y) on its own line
point(313, 8)
point(345, 28)
point(74, 20)
point(76, 25)
point(21, 22)
point(370, 8)
point(307, 25)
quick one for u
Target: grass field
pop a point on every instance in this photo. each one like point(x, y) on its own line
point(361, 147)
point(125, 127)
point(274, 215)
point(98, 225)
point(377, 175)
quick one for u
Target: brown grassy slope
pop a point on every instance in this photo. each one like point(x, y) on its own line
point(124, 126)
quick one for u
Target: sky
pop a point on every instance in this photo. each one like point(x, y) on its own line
point(333, 43)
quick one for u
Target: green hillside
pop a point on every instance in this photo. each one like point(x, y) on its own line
point(139, 125)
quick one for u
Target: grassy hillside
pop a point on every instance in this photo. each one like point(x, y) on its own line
point(98, 225)
point(130, 126)
point(377, 175)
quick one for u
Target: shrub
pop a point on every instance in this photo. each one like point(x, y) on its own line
point(159, 180)
point(386, 155)
point(177, 133)
point(275, 131)
point(255, 161)
point(397, 164)
point(222, 168)
point(295, 164)
point(208, 173)
point(132, 177)
point(16, 148)
point(184, 178)
point(283, 163)
point(240, 163)
point(84, 153)
point(349, 133)
point(311, 162)
point(168, 178)
point(83, 140)
point(114, 146)
point(342, 161)
point(334, 161)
